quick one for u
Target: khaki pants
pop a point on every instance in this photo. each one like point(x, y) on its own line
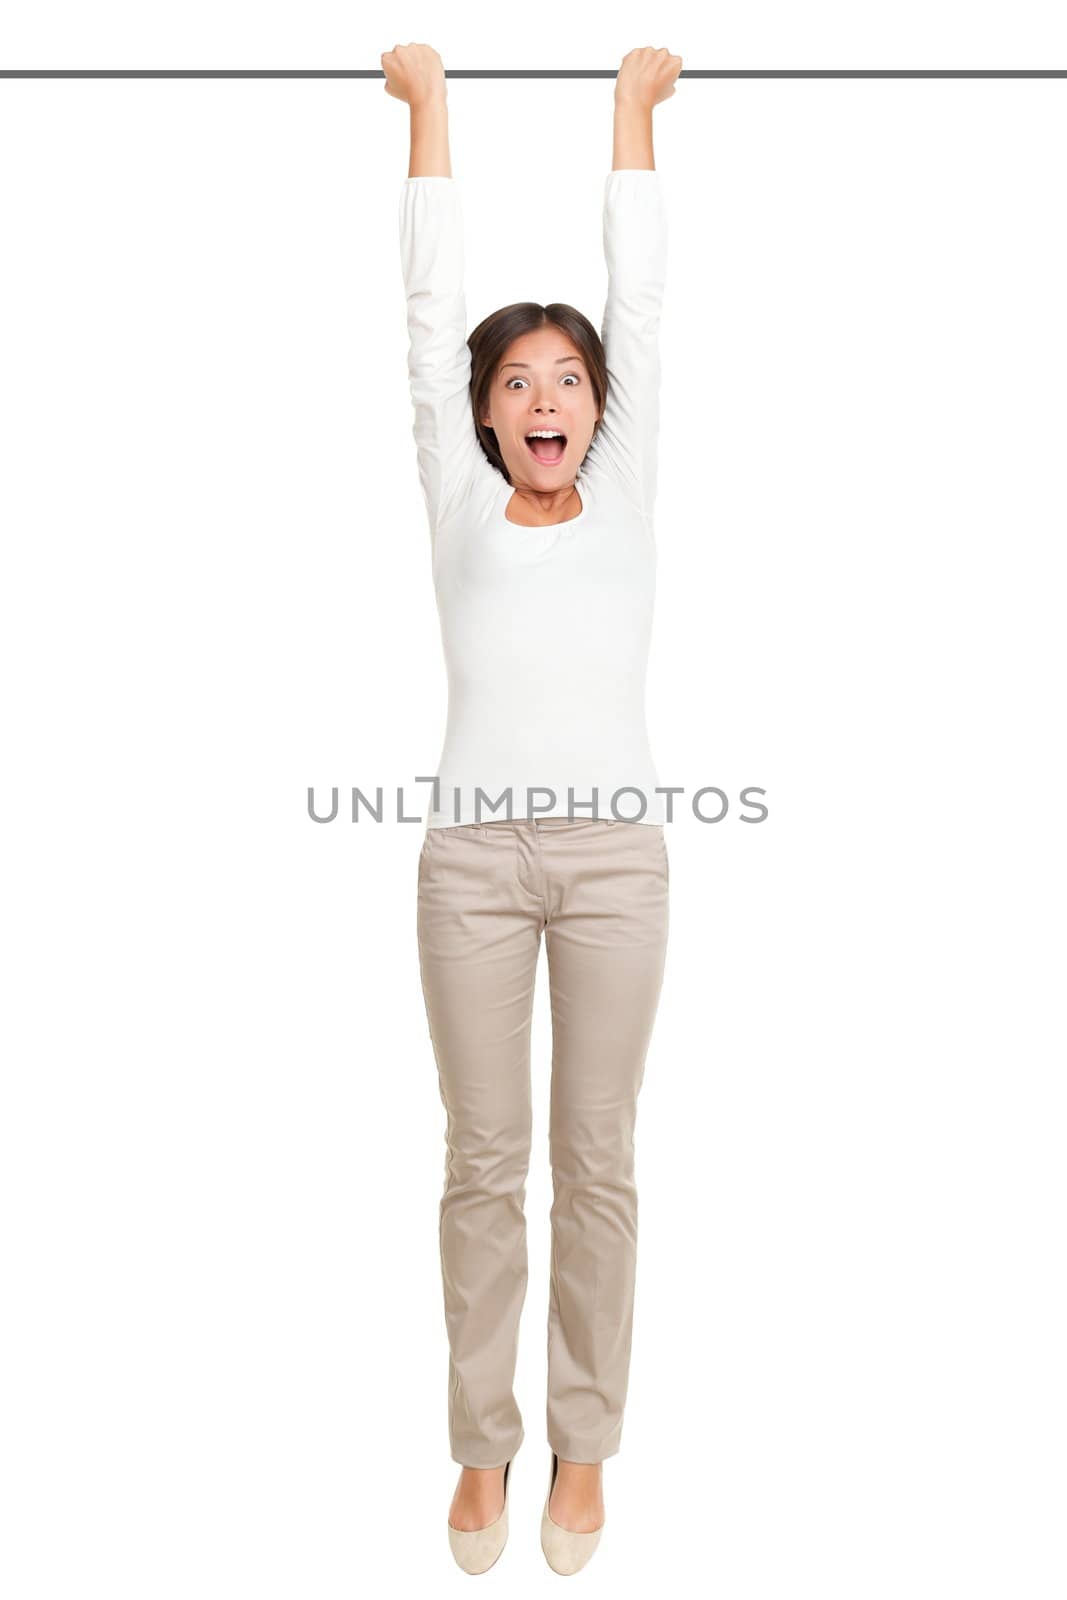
point(599, 890)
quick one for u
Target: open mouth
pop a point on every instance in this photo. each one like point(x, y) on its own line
point(546, 445)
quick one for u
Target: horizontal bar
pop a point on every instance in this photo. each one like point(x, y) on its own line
point(535, 72)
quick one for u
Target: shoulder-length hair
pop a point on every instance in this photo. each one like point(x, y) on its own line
point(491, 338)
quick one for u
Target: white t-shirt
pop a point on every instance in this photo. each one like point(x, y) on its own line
point(546, 630)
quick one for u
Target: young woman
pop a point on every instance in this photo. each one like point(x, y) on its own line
point(536, 444)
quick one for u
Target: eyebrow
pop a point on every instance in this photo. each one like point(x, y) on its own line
point(526, 364)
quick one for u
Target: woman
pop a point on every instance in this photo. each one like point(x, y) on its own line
point(536, 447)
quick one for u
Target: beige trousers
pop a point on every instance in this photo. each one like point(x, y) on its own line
point(599, 891)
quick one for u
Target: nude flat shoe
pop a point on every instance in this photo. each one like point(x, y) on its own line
point(565, 1552)
point(476, 1549)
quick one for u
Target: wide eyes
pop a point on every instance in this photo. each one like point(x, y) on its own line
point(508, 383)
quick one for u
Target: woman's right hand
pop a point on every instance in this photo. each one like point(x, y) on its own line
point(414, 73)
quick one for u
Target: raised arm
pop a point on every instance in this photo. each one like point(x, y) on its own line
point(431, 253)
point(635, 252)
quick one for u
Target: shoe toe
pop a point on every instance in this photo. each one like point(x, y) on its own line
point(477, 1550)
point(566, 1552)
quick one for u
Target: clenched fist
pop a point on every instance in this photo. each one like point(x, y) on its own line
point(414, 73)
point(646, 77)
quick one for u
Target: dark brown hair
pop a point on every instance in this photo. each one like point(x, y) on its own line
point(495, 333)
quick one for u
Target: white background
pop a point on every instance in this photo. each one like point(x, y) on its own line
point(224, 1362)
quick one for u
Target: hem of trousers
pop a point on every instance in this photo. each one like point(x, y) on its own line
point(582, 1451)
point(484, 1466)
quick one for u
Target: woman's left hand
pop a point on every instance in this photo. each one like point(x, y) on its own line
point(646, 77)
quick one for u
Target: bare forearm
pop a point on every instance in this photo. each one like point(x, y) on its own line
point(633, 136)
point(429, 138)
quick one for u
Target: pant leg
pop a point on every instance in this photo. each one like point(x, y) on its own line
point(606, 932)
point(479, 935)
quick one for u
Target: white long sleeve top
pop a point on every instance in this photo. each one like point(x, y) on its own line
point(546, 630)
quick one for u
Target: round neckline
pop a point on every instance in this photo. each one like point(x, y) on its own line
point(507, 493)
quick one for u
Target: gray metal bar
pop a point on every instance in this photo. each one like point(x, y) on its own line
point(533, 72)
